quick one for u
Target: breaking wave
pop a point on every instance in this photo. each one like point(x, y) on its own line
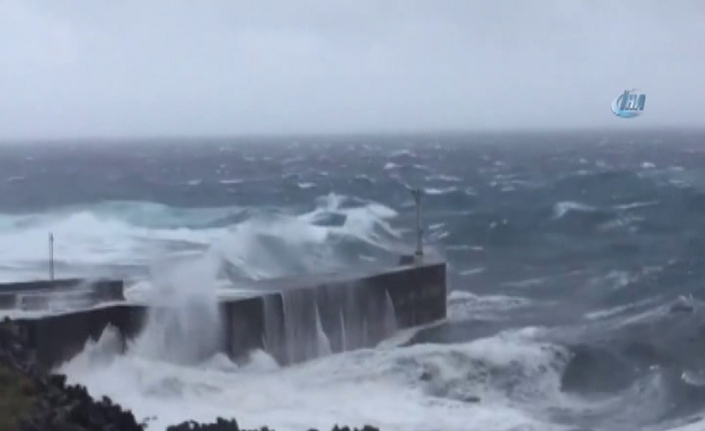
point(122, 237)
point(489, 384)
point(576, 273)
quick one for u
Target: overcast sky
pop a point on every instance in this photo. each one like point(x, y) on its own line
point(87, 68)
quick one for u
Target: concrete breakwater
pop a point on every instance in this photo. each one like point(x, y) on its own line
point(73, 293)
point(293, 319)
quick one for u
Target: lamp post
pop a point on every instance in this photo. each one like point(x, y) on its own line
point(51, 257)
point(419, 228)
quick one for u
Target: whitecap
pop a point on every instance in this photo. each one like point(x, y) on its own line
point(562, 208)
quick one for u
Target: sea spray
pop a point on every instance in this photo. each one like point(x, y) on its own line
point(184, 323)
point(96, 353)
point(300, 326)
point(274, 335)
point(291, 327)
point(343, 333)
point(390, 317)
point(324, 347)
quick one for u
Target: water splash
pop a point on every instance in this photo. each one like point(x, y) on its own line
point(301, 319)
point(273, 325)
point(324, 347)
point(390, 317)
point(343, 332)
point(184, 323)
point(121, 238)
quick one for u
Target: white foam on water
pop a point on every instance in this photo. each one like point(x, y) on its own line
point(464, 305)
point(390, 317)
point(440, 191)
point(423, 387)
point(87, 239)
point(696, 425)
point(472, 271)
point(172, 370)
point(133, 234)
point(324, 347)
point(402, 337)
point(560, 209)
point(343, 332)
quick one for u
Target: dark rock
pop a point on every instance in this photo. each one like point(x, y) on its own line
point(58, 406)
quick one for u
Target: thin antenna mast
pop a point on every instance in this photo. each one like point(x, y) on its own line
point(51, 256)
point(419, 227)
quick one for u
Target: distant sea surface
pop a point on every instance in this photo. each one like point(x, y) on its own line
point(576, 268)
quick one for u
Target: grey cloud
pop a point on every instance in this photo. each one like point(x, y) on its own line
point(138, 68)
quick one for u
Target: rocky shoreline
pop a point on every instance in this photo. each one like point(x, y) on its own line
point(31, 399)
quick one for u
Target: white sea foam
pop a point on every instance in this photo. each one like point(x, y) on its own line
point(171, 370)
point(440, 191)
point(562, 208)
point(465, 305)
point(94, 240)
point(423, 387)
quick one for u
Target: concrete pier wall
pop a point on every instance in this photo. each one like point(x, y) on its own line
point(57, 338)
point(40, 293)
point(293, 320)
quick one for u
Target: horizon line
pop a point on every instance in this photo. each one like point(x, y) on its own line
point(354, 134)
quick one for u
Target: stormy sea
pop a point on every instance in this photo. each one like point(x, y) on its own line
point(576, 271)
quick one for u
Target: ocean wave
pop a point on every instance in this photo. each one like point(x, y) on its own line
point(491, 384)
point(254, 242)
point(635, 205)
point(468, 306)
point(232, 181)
point(640, 375)
point(305, 186)
point(560, 209)
point(585, 241)
point(443, 191)
point(144, 214)
point(444, 178)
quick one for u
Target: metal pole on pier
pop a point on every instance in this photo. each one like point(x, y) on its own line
point(51, 256)
point(419, 228)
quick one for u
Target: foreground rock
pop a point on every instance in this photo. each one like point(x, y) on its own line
point(231, 425)
point(31, 399)
point(55, 406)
